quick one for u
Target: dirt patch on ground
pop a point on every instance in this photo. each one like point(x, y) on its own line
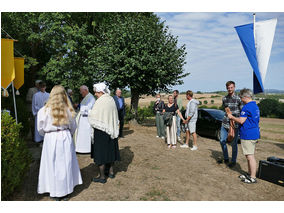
point(149, 171)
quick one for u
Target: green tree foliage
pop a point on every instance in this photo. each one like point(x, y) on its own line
point(271, 108)
point(137, 51)
point(127, 50)
point(15, 157)
point(205, 102)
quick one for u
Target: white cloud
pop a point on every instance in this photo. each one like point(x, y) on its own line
point(215, 53)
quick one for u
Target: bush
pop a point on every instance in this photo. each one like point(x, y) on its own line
point(15, 157)
point(212, 101)
point(22, 112)
point(205, 102)
point(280, 110)
point(269, 107)
point(143, 112)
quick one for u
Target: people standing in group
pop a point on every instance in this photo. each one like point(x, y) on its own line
point(170, 111)
point(59, 171)
point(249, 132)
point(105, 121)
point(120, 105)
point(83, 133)
point(234, 103)
point(159, 105)
point(29, 100)
point(178, 102)
point(39, 100)
point(191, 115)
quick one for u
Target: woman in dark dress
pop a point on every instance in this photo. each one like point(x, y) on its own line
point(171, 130)
point(104, 119)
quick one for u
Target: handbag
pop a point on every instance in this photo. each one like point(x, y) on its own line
point(231, 132)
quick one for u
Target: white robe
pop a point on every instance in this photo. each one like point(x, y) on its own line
point(59, 171)
point(84, 131)
point(39, 100)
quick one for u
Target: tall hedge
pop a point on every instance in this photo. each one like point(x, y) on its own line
point(15, 157)
point(271, 108)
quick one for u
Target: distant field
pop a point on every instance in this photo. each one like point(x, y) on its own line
point(272, 129)
point(146, 100)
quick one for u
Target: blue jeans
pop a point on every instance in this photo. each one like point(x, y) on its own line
point(224, 135)
point(178, 125)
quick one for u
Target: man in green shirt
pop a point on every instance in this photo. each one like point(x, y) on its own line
point(178, 101)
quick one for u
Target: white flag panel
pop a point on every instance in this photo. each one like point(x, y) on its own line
point(264, 34)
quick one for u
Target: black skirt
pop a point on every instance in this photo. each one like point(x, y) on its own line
point(104, 149)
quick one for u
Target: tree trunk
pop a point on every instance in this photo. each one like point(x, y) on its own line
point(134, 105)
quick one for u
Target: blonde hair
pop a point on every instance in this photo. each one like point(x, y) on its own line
point(59, 104)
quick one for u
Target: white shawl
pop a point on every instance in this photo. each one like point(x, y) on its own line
point(104, 116)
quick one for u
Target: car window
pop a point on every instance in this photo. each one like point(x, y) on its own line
point(204, 114)
point(217, 114)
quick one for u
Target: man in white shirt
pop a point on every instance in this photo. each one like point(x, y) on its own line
point(84, 131)
point(29, 100)
point(39, 100)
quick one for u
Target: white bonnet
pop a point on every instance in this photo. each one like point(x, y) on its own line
point(101, 87)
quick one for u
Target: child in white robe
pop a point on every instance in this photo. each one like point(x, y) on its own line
point(59, 170)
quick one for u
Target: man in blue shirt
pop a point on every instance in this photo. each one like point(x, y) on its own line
point(120, 105)
point(249, 132)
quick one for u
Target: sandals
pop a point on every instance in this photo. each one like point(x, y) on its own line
point(249, 180)
point(244, 176)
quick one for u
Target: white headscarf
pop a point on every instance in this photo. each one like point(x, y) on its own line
point(101, 87)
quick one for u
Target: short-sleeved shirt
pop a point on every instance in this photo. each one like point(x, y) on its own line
point(235, 104)
point(249, 130)
point(171, 109)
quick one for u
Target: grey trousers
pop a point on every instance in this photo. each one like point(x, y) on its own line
point(160, 125)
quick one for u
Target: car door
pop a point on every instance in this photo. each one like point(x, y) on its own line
point(203, 123)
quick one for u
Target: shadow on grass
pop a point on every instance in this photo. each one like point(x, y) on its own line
point(127, 131)
point(87, 174)
point(218, 155)
point(280, 145)
point(126, 156)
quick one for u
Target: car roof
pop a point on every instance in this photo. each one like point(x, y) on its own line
point(206, 109)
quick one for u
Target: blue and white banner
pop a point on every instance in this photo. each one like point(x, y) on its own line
point(257, 42)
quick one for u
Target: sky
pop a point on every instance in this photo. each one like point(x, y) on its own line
point(215, 54)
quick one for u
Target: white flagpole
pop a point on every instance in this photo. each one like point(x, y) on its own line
point(254, 27)
point(15, 107)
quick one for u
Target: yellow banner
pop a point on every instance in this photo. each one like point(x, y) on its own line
point(19, 72)
point(7, 62)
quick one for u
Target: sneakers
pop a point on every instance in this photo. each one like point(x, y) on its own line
point(157, 136)
point(163, 137)
point(193, 148)
point(184, 146)
point(179, 139)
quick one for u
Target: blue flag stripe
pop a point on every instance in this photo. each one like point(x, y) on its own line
point(245, 33)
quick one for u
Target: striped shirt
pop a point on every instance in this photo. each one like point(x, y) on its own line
point(235, 104)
